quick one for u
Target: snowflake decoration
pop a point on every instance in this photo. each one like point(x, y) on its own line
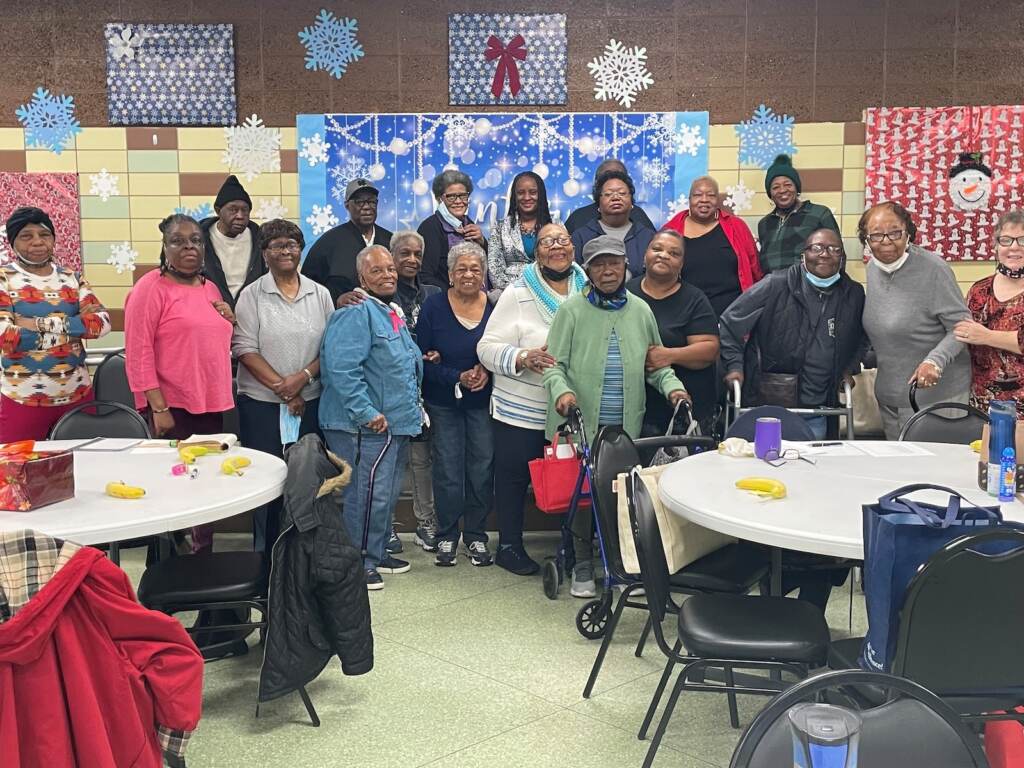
point(200, 212)
point(125, 43)
point(764, 136)
point(351, 168)
point(543, 134)
point(322, 219)
point(331, 44)
point(740, 197)
point(253, 148)
point(459, 131)
point(314, 150)
point(654, 172)
point(620, 74)
point(122, 257)
point(103, 184)
point(688, 140)
point(49, 121)
point(268, 209)
point(681, 203)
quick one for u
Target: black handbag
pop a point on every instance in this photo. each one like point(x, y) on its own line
point(778, 389)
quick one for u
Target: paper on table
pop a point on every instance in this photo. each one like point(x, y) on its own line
point(63, 445)
point(111, 444)
point(226, 440)
point(832, 448)
point(893, 449)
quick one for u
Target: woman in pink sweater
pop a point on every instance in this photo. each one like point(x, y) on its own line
point(178, 344)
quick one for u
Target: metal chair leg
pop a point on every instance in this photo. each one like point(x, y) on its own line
point(666, 716)
point(643, 638)
point(115, 552)
point(309, 706)
point(734, 717)
point(613, 622)
point(656, 699)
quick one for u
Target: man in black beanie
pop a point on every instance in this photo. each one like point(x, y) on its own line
point(233, 258)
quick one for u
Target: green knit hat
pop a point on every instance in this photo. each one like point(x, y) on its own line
point(783, 166)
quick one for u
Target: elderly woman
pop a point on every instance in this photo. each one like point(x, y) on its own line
point(370, 369)
point(599, 341)
point(281, 320)
point(514, 349)
point(995, 331)
point(513, 244)
point(689, 332)
point(613, 193)
point(45, 313)
point(913, 304)
point(177, 333)
point(457, 389)
point(721, 257)
point(448, 226)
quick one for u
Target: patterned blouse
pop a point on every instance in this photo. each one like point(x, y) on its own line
point(48, 368)
point(995, 373)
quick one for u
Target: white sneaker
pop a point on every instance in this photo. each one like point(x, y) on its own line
point(478, 553)
point(583, 584)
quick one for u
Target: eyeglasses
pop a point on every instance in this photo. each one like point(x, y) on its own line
point(816, 249)
point(364, 202)
point(777, 459)
point(547, 242)
point(180, 242)
point(622, 195)
point(878, 237)
point(457, 197)
point(1006, 241)
point(291, 245)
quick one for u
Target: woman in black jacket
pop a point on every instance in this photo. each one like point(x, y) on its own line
point(447, 226)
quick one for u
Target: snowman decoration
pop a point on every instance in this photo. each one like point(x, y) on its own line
point(970, 182)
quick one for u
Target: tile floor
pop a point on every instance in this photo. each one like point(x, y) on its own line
point(474, 667)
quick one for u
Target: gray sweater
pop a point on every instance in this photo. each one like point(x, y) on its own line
point(909, 317)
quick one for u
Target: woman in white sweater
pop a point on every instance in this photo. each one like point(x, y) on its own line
point(514, 349)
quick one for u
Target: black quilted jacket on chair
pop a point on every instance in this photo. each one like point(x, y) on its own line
point(318, 605)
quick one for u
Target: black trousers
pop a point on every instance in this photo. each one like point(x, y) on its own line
point(514, 448)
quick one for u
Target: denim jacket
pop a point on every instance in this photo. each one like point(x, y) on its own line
point(368, 368)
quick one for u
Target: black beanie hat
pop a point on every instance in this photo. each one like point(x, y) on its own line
point(782, 166)
point(27, 215)
point(230, 191)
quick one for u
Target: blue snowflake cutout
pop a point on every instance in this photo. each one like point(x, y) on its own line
point(200, 212)
point(331, 44)
point(764, 136)
point(49, 121)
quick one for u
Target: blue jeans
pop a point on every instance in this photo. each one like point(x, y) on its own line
point(378, 462)
point(463, 453)
point(818, 426)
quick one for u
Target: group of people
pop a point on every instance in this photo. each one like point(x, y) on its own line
point(457, 356)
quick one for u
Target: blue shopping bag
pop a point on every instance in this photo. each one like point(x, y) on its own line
point(901, 535)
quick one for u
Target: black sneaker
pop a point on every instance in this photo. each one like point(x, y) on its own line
point(445, 554)
point(392, 565)
point(394, 545)
point(373, 579)
point(515, 560)
point(478, 553)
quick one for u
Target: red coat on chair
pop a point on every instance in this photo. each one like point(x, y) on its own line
point(87, 675)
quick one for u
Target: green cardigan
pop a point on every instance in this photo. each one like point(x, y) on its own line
point(578, 340)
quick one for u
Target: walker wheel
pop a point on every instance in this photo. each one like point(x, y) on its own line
point(552, 578)
point(592, 619)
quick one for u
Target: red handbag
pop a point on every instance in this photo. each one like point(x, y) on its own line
point(1004, 743)
point(554, 479)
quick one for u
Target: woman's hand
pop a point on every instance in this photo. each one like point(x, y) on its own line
point(472, 232)
point(926, 375)
point(290, 386)
point(224, 310)
point(432, 356)
point(536, 360)
point(732, 376)
point(565, 403)
point(971, 332)
point(378, 424)
point(163, 423)
point(658, 357)
point(350, 299)
point(480, 378)
point(296, 405)
point(679, 394)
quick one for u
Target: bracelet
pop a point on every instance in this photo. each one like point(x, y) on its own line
point(165, 409)
point(40, 325)
point(309, 375)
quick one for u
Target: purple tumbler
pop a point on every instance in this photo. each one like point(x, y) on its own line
point(767, 437)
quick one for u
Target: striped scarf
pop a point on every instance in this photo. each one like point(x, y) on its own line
point(548, 300)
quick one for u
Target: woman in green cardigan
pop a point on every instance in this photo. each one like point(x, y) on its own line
point(600, 340)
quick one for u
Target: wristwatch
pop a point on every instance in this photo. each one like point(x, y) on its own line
point(523, 355)
point(310, 376)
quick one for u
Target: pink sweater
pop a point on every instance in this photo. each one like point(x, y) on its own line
point(177, 341)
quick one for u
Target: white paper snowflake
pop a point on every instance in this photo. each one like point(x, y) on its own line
point(352, 167)
point(103, 184)
point(681, 203)
point(253, 148)
point(654, 172)
point(739, 197)
point(688, 140)
point(49, 121)
point(620, 74)
point(269, 208)
point(331, 44)
point(322, 219)
point(125, 43)
point(314, 150)
point(764, 136)
point(122, 257)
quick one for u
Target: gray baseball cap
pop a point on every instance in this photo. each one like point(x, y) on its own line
point(603, 245)
point(357, 185)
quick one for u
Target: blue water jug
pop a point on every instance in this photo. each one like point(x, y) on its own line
point(1002, 416)
point(824, 736)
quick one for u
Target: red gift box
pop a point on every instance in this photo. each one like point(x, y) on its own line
point(32, 479)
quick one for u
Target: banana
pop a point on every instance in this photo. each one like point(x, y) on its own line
point(765, 487)
point(190, 453)
point(121, 491)
point(235, 465)
point(976, 446)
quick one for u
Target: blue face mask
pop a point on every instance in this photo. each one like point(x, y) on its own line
point(822, 282)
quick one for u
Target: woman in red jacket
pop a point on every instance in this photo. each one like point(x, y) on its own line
point(721, 257)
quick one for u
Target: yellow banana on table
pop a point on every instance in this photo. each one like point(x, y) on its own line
point(120, 490)
point(765, 487)
point(190, 453)
point(234, 465)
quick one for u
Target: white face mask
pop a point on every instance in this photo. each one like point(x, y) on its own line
point(890, 268)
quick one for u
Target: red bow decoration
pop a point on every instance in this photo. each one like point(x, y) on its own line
point(507, 66)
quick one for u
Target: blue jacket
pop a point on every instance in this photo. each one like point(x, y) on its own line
point(636, 242)
point(368, 368)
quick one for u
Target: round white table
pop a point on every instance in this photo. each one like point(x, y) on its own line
point(822, 510)
point(171, 502)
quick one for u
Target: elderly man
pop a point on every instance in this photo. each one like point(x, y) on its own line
point(233, 256)
point(370, 406)
point(803, 329)
point(331, 260)
point(588, 213)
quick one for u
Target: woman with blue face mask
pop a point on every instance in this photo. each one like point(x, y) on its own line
point(796, 335)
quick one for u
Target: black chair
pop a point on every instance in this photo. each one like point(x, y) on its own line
point(733, 569)
point(961, 427)
point(911, 726)
point(974, 602)
point(110, 382)
point(794, 427)
point(100, 418)
point(726, 632)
